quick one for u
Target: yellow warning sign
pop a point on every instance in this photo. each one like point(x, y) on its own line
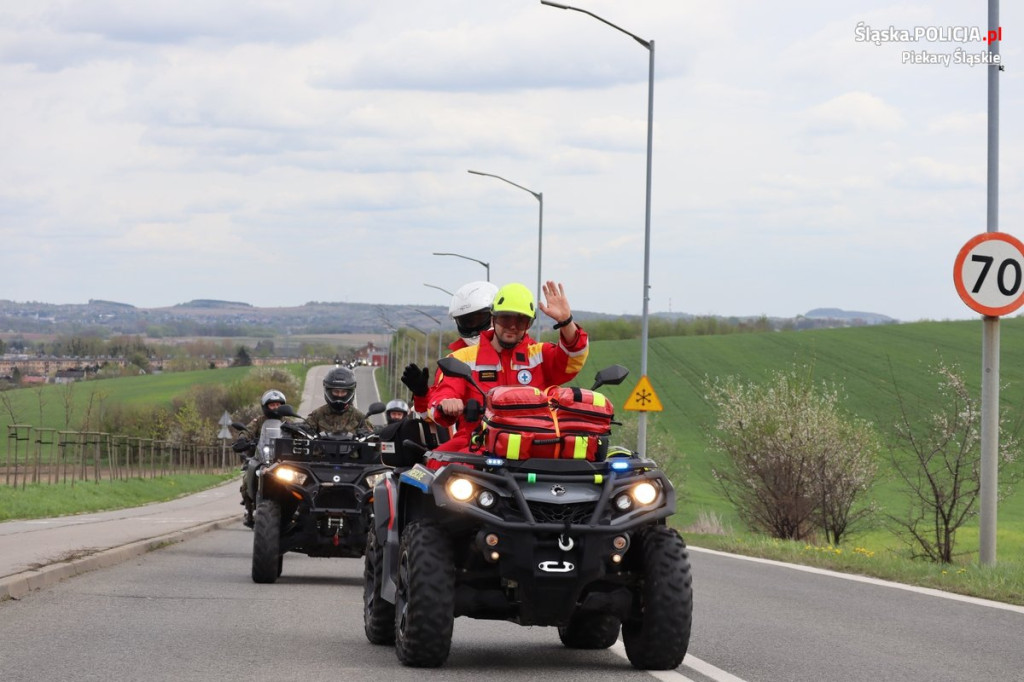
point(643, 398)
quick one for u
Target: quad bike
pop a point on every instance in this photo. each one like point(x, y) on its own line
point(577, 543)
point(255, 451)
point(313, 494)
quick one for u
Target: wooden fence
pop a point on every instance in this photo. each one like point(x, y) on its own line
point(46, 455)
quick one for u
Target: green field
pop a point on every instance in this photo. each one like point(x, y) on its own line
point(867, 362)
point(64, 406)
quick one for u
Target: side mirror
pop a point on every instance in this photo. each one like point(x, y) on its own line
point(238, 426)
point(610, 376)
point(375, 408)
point(453, 367)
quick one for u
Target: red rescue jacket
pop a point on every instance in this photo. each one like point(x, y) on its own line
point(531, 363)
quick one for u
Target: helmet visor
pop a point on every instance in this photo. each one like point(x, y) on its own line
point(513, 320)
point(473, 323)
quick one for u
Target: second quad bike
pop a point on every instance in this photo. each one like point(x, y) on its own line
point(313, 495)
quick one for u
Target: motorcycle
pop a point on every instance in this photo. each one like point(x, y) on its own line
point(313, 492)
point(578, 543)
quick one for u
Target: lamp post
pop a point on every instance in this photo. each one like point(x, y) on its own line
point(459, 255)
point(539, 196)
point(392, 358)
point(426, 338)
point(641, 437)
point(434, 286)
point(439, 323)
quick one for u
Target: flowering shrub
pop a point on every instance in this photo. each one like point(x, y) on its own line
point(795, 464)
point(938, 463)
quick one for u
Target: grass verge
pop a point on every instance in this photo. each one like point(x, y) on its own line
point(44, 500)
point(1003, 582)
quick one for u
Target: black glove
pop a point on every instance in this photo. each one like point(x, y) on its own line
point(241, 445)
point(416, 379)
point(472, 410)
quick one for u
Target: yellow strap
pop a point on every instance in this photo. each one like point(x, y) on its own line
point(580, 447)
point(514, 441)
point(599, 399)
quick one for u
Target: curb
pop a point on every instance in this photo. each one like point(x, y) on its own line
point(18, 585)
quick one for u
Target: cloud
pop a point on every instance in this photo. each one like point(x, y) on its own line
point(933, 175)
point(853, 112)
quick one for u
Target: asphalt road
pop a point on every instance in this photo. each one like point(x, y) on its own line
point(190, 611)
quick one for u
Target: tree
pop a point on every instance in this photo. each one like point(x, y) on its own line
point(189, 427)
point(796, 462)
point(937, 460)
point(264, 348)
point(67, 399)
point(242, 358)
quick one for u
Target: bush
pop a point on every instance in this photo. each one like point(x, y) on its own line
point(796, 463)
point(937, 461)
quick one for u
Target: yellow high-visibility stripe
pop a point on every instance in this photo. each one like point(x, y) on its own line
point(514, 443)
point(580, 447)
point(599, 400)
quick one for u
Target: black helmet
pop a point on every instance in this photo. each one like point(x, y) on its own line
point(396, 410)
point(343, 381)
point(271, 396)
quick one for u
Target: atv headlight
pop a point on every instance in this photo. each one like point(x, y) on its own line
point(460, 489)
point(623, 502)
point(288, 475)
point(644, 493)
point(373, 479)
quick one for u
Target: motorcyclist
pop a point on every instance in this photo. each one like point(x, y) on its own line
point(395, 411)
point(338, 415)
point(507, 356)
point(245, 446)
point(470, 309)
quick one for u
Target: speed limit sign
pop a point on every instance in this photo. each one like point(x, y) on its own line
point(989, 273)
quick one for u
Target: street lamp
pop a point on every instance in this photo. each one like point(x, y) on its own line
point(439, 323)
point(434, 286)
point(539, 196)
point(426, 338)
point(649, 44)
point(459, 255)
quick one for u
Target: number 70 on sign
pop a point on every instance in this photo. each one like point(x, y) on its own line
point(989, 273)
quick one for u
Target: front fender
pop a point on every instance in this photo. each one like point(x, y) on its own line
point(404, 498)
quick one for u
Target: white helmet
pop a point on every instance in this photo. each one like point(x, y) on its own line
point(471, 309)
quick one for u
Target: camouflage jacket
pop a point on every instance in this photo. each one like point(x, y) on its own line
point(324, 419)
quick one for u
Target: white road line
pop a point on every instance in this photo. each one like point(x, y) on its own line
point(872, 581)
point(690, 661)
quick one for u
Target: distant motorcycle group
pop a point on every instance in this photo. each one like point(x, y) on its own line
point(498, 497)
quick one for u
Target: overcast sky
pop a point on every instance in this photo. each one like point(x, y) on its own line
point(279, 152)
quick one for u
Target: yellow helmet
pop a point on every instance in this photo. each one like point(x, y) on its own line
point(514, 298)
